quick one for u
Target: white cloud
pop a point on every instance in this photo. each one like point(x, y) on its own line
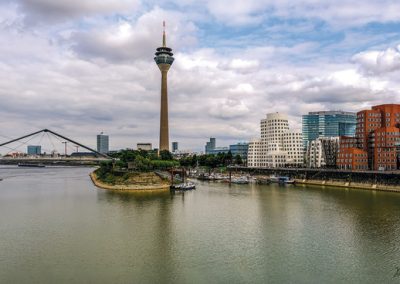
point(101, 77)
point(378, 62)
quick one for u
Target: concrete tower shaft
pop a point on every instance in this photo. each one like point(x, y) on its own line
point(164, 59)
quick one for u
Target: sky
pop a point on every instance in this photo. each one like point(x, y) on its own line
point(81, 67)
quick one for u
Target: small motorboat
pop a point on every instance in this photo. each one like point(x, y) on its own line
point(183, 186)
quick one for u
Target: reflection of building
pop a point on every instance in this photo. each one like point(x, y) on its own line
point(144, 146)
point(174, 146)
point(328, 124)
point(322, 152)
point(34, 150)
point(102, 143)
point(164, 59)
point(278, 146)
point(377, 134)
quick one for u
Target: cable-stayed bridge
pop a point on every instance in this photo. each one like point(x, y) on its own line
point(52, 155)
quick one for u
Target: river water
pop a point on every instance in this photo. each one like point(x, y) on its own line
point(56, 227)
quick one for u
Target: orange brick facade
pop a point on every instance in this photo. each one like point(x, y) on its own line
point(377, 135)
point(349, 156)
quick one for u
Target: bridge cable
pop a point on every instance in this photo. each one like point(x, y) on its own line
point(22, 143)
point(58, 138)
point(51, 141)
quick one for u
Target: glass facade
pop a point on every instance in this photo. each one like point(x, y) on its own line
point(174, 146)
point(240, 149)
point(328, 124)
point(34, 150)
point(210, 146)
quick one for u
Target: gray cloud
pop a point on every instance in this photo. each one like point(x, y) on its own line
point(49, 11)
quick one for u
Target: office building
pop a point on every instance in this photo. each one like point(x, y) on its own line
point(212, 149)
point(144, 146)
point(322, 152)
point(240, 149)
point(102, 143)
point(210, 145)
point(328, 124)
point(377, 138)
point(278, 146)
point(174, 146)
point(34, 150)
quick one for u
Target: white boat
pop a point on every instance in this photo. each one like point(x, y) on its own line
point(184, 186)
point(240, 180)
point(281, 179)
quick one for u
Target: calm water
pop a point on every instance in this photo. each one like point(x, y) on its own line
point(56, 227)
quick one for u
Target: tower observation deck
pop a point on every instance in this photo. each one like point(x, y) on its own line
point(164, 59)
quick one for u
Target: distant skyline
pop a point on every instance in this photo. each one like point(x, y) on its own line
point(80, 67)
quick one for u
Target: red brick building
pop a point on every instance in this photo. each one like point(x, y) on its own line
point(378, 135)
point(350, 156)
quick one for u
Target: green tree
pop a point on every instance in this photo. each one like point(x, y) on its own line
point(166, 155)
point(238, 160)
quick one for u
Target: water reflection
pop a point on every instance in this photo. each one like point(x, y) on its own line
point(59, 227)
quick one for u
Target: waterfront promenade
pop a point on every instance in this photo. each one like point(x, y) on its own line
point(374, 180)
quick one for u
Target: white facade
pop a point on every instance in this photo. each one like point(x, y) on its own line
point(322, 152)
point(144, 146)
point(278, 146)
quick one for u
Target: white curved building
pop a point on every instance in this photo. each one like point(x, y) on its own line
point(278, 146)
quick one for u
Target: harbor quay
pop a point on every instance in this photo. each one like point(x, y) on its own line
point(373, 180)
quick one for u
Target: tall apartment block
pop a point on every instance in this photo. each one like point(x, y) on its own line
point(102, 143)
point(377, 141)
point(278, 146)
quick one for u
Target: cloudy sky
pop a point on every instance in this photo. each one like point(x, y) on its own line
point(80, 67)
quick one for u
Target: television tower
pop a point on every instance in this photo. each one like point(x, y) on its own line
point(164, 59)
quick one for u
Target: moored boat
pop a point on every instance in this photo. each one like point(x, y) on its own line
point(29, 165)
point(183, 186)
point(240, 180)
point(281, 180)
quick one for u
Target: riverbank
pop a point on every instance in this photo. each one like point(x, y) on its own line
point(132, 186)
point(349, 185)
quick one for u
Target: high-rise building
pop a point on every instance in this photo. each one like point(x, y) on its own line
point(174, 146)
point(278, 146)
point(328, 124)
point(164, 59)
point(210, 145)
point(34, 150)
point(102, 143)
point(212, 149)
point(377, 137)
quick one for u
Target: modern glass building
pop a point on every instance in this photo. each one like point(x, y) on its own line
point(34, 150)
point(240, 149)
point(102, 143)
point(328, 124)
point(174, 146)
point(210, 145)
